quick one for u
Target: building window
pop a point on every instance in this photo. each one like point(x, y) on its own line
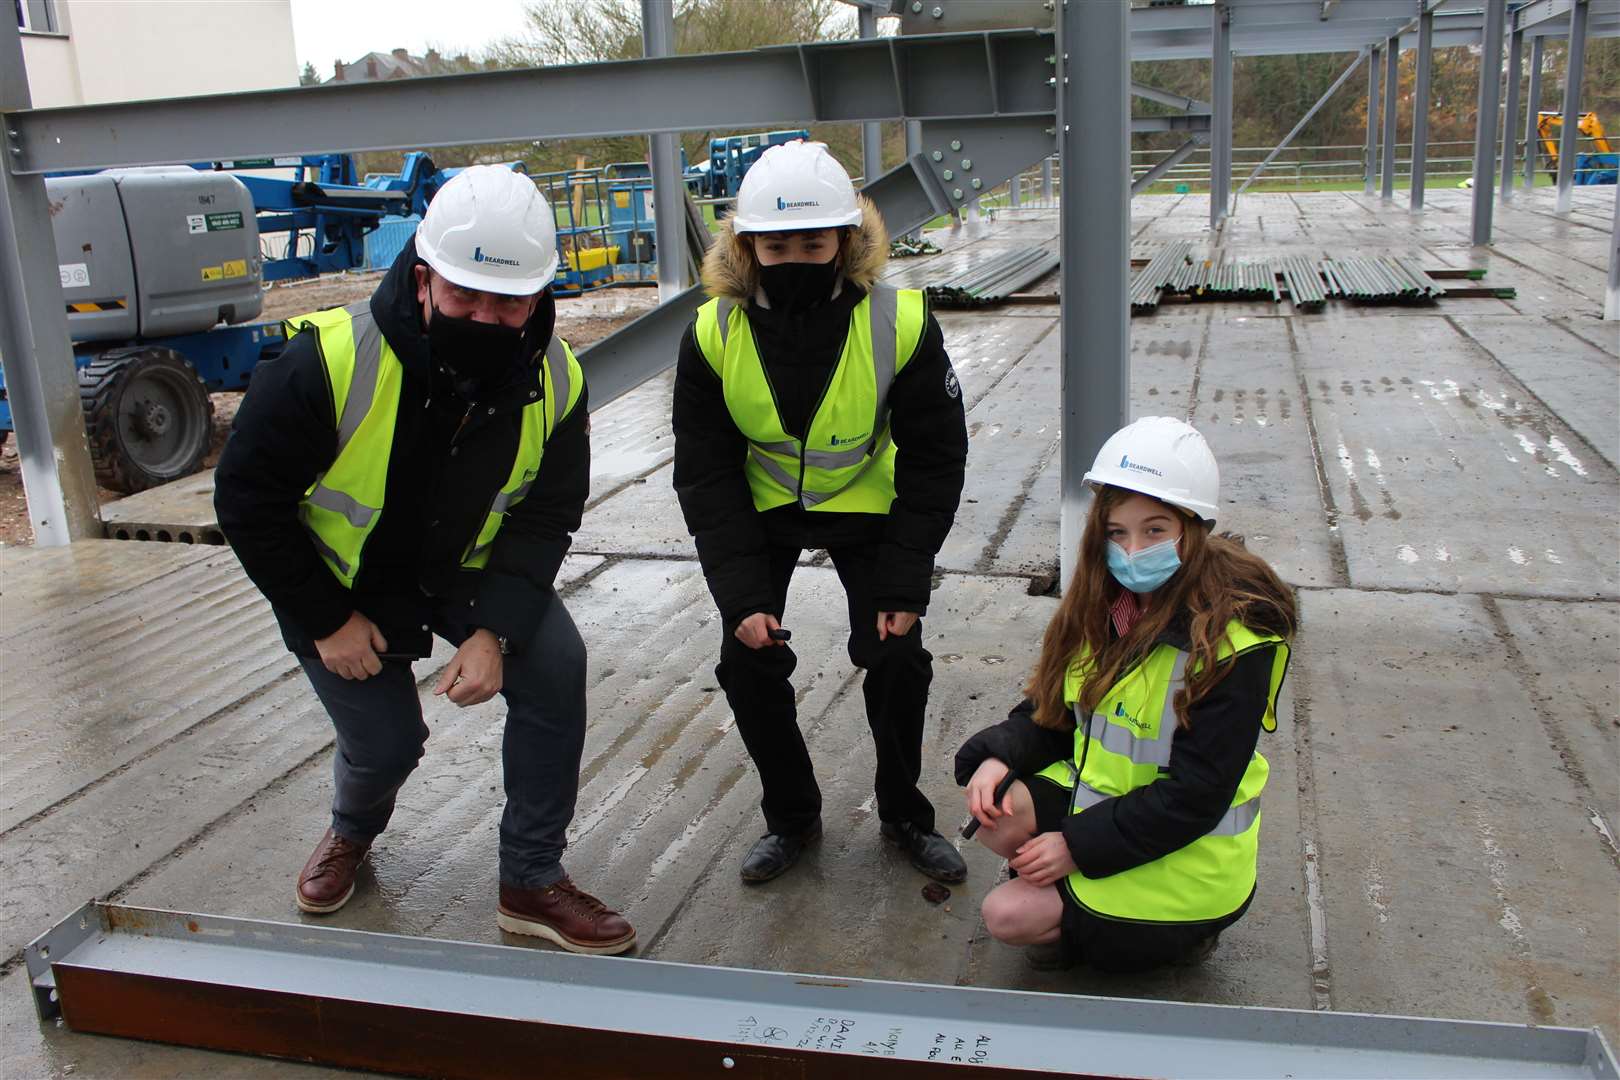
point(38, 16)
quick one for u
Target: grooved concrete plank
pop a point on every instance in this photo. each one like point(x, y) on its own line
point(1415, 423)
point(1460, 869)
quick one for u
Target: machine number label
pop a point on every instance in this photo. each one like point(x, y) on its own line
point(207, 223)
point(74, 275)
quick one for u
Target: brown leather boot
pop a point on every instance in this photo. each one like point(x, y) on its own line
point(565, 914)
point(327, 880)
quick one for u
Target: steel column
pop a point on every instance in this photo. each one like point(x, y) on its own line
point(42, 382)
point(1420, 107)
point(658, 39)
point(1220, 154)
point(1532, 112)
point(1485, 119)
point(1014, 197)
point(1312, 111)
point(1392, 96)
point(1046, 181)
point(1611, 300)
point(871, 133)
point(1370, 168)
point(1510, 115)
point(1569, 137)
point(1094, 115)
point(1170, 161)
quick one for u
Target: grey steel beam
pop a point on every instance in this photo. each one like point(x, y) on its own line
point(1611, 299)
point(1510, 114)
point(1176, 122)
point(1095, 343)
point(936, 77)
point(669, 191)
point(1420, 107)
point(42, 383)
point(1046, 181)
point(1532, 112)
point(1312, 111)
point(391, 1003)
point(1370, 151)
point(871, 132)
point(1485, 119)
point(1165, 97)
point(1220, 153)
point(1392, 101)
point(1170, 161)
point(1568, 138)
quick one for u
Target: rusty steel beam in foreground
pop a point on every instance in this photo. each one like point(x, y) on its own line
point(424, 1007)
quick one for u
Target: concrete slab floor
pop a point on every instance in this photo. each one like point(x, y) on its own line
point(1439, 826)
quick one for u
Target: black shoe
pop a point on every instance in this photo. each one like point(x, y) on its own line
point(774, 854)
point(1050, 957)
point(930, 852)
point(1198, 953)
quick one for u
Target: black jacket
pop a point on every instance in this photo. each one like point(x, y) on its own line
point(799, 353)
point(1207, 761)
point(450, 456)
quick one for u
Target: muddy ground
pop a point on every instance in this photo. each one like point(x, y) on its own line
point(582, 320)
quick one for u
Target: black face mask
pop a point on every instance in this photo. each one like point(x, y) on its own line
point(476, 354)
point(797, 286)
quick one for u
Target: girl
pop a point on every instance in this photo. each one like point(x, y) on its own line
point(1133, 826)
point(816, 408)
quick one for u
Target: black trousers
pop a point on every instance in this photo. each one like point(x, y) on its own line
point(898, 671)
point(381, 737)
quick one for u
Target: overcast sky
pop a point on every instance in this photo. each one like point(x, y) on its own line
point(328, 30)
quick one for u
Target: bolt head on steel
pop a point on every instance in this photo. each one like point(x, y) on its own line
point(947, 174)
point(916, 6)
point(939, 155)
point(956, 144)
point(967, 164)
point(977, 183)
point(938, 12)
point(957, 193)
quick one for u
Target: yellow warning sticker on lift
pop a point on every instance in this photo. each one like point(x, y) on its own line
point(621, 199)
point(213, 273)
point(236, 268)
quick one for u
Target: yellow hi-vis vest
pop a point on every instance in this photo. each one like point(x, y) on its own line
point(344, 503)
point(1131, 733)
point(846, 460)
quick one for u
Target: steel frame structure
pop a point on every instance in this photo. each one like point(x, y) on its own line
point(398, 1004)
point(1485, 126)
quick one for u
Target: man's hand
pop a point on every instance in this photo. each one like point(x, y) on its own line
point(755, 631)
point(981, 793)
point(1043, 859)
point(898, 623)
point(351, 651)
point(473, 675)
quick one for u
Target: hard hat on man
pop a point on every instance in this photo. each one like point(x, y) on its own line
point(490, 229)
point(795, 185)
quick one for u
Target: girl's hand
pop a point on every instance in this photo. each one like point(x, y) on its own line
point(981, 793)
point(1044, 859)
point(755, 631)
point(895, 624)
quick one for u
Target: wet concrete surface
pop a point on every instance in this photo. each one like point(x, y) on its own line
point(1439, 825)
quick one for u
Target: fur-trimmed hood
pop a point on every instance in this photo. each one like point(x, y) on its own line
point(726, 272)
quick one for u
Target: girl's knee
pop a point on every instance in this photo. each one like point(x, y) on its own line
point(1001, 912)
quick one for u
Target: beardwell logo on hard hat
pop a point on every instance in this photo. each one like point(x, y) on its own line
point(1126, 463)
point(783, 204)
point(493, 260)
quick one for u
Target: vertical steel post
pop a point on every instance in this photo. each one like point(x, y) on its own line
point(1420, 107)
point(1611, 300)
point(1392, 95)
point(669, 211)
point(1046, 181)
point(1094, 143)
point(1532, 111)
point(1485, 119)
point(1370, 167)
point(913, 148)
point(1013, 194)
point(1510, 115)
point(871, 133)
point(1220, 152)
point(42, 383)
point(1568, 139)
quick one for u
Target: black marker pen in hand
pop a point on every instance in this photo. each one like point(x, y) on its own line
point(1002, 788)
point(776, 633)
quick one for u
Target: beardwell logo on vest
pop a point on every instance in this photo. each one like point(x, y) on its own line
point(851, 440)
point(1119, 711)
point(784, 204)
point(1126, 463)
point(493, 260)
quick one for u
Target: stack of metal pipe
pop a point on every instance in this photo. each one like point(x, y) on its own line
point(1384, 280)
point(1169, 269)
point(993, 279)
point(1303, 281)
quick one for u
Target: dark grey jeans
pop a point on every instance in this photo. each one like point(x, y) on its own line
point(381, 735)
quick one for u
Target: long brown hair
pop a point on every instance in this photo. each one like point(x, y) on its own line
point(1219, 581)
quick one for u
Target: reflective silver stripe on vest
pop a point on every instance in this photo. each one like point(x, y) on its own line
point(1119, 739)
point(885, 313)
point(368, 342)
point(775, 470)
point(559, 371)
point(1235, 822)
point(722, 314)
point(324, 549)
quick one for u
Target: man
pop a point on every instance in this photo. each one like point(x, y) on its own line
point(414, 465)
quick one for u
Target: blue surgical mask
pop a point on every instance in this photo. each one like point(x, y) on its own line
point(1147, 569)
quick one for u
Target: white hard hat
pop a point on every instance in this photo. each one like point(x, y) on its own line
point(796, 185)
point(490, 229)
point(1165, 458)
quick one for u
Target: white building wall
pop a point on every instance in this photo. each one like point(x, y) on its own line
point(136, 49)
